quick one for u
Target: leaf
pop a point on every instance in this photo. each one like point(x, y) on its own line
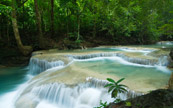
point(123, 90)
point(111, 80)
point(114, 93)
point(120, 80)
point(107, 85)
point(122, 85)
point(128, 104)
point(111, 88)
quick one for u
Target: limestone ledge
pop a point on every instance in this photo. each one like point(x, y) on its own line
point(134, 57)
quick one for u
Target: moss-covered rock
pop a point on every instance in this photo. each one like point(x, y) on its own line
point(156, 99)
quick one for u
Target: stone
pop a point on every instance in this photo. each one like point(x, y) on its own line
point(162, 98)
point(170, 86)
point(171, 54)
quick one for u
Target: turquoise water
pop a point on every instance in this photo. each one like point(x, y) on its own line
point(11, 77)
point(102, 49)
point(153, 76)
point(110, 49)
point(153, 46)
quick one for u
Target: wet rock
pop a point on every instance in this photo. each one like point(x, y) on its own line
point(156, 99)
point(71, 45)
point(171, 82)
point(171, 54)
point(171, 65)
point(26, 101)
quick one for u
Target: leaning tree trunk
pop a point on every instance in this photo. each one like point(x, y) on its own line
point(38, 21)
point(25, 50)
point(52, 18)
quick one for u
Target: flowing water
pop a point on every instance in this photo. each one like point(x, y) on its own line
point(11, 78)
point(143, 75)
point(57, 84)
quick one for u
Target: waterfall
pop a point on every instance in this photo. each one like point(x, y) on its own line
point(83, 95)
point(165, 43)
point(37, 66)
point(89, 56)
point(163, 61)
point(151, 62)
point(138, 60)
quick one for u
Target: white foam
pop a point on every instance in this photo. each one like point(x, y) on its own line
point(145, 51)
point(124, 62)
point(163, 69)
point(88, 98)
point(7, 100)
point(46, 104)
point(117, 59)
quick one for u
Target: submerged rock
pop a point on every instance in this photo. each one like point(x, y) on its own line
point(156, 99)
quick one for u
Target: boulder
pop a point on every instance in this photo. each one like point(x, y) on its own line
point(171, 65)
point(162, 98)
point(170, 84)
point(171, 54)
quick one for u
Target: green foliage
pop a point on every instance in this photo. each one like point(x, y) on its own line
point(128, 104)
point(167, 28)
point(117, 100)
point(78, 41)
point(115, 87)
point(130, 21)
point(102, 105)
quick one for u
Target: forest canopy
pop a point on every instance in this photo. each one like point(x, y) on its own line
point(45, 23)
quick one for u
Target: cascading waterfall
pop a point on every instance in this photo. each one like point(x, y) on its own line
point(37, 66)
point(163, 61)
point(84, 95)
point(165, 43)
point(151, 62)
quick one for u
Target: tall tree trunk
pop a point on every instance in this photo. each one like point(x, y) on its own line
point(78, 27)
point(38, 21)
point(52, 18)
point(94, 28)
point(1, 28)
point(23, 20)
point(25, 50)
point(8, 39)
point(67, 21)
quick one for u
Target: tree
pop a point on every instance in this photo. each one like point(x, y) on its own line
point(80, 8)
point(39, 28)
point(52, 17)
point(25, 50)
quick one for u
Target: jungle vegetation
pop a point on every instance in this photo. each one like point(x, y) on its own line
point(38, 24)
